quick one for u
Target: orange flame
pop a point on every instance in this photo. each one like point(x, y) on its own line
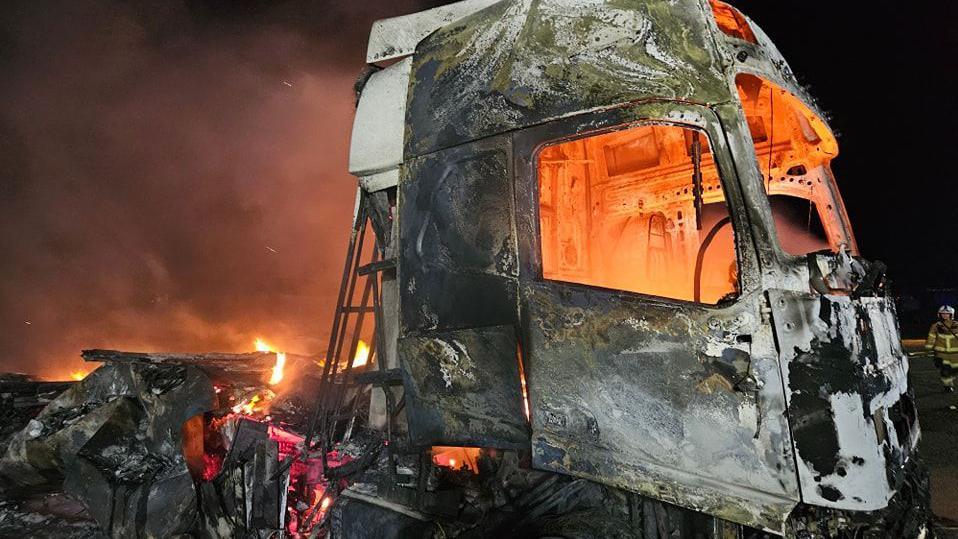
point(247, 407)
point(77, 375)
point(262, 346)
point(362, 354)
point(523, 384)
point(277, 375)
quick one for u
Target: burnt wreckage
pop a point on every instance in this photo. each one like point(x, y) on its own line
point(611, 290)
point(611, 236)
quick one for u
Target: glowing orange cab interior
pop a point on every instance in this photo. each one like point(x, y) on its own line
point(619, 210)
point(732, 22)
point(794, 149)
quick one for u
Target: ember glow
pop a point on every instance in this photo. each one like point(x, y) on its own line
point(456, 458)
point(306, 474)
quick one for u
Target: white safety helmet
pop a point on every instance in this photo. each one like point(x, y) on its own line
point(946, 309)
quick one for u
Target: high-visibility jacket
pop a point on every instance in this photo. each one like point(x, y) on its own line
point(943, 339)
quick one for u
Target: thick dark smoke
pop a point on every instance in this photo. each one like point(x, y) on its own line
point(173, 173)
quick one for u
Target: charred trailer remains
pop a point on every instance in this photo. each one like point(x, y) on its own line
point(614, 286)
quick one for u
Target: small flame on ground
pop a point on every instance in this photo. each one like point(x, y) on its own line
point(247, 407)
point(277, 375)
point(263, 346)
point(362, 354)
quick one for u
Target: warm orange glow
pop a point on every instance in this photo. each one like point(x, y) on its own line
point(794, 148)
point(456, 457)
point(732, 22)
point(522, 382)
point(324, 505)
point(277, 375)
point(362, 354)
point(247, 407)
point(618, 210)
point(77, 375)
point(318, 492)
point(262, 346)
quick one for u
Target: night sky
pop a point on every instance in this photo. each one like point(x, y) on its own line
point(174, 172)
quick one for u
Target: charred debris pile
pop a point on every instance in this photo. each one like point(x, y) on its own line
point(161, 445)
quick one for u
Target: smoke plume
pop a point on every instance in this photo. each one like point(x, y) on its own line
point(174, 174)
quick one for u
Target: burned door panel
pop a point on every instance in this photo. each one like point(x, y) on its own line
point(659, 399)
point(457, 235)
point(849, 407)
point(458, 298)
point(462, 388)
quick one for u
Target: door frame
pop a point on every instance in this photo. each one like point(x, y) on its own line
point(764, 503)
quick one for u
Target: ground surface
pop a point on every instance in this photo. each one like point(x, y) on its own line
point(939, 434)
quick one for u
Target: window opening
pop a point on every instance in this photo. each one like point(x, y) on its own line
point(795, 148)
point(631, 210)
point(731, 21)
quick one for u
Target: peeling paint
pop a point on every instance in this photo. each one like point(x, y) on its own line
point(454, 362)
point(844, 366)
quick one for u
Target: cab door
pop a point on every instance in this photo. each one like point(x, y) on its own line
point(647, 346)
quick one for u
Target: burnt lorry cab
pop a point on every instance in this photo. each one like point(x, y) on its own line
point(613, 237)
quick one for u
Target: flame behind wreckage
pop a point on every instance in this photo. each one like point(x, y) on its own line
point(624, 213)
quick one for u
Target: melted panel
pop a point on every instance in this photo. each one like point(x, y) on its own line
point(458, 262)
point(463, 388)
point(845, 379)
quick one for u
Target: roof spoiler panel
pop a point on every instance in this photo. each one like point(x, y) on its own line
point(397, 37)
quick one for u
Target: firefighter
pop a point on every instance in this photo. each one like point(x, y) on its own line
point(943, 341)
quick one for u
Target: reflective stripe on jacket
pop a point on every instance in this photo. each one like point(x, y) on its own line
point(943, 337)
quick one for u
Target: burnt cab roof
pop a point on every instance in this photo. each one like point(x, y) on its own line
point(479, 67)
